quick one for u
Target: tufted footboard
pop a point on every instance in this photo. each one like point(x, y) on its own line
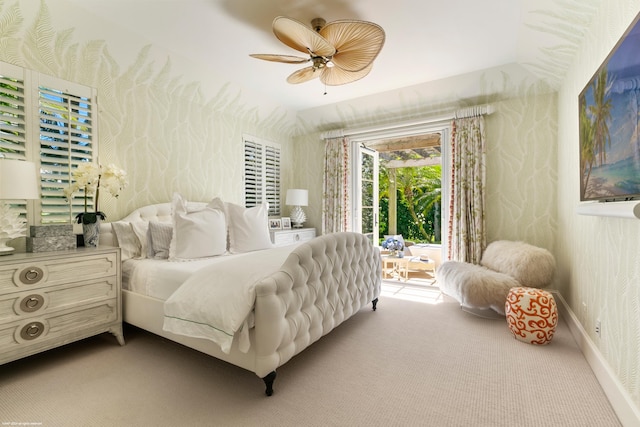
point(321, 284)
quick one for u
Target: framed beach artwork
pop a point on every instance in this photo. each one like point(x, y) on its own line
point(609, 117)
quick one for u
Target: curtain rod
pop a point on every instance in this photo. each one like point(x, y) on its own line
point(478, 110)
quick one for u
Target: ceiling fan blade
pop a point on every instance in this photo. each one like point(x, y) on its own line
point(289, 59)
point(335, 76)
point(303, 75)
point(298, 36)
point(357, 43)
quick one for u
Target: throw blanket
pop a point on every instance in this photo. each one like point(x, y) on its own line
point(217, 301)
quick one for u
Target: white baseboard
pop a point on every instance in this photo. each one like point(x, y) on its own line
point(626, 410)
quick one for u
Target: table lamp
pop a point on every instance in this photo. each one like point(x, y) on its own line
point(297, 198)
point(17, 182)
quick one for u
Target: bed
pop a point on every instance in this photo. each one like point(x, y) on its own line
point(292, 296)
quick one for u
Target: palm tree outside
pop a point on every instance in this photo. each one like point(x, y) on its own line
point(418, 202)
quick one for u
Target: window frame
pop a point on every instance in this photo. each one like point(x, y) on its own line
point(14, 123)
point(52, 202)
point(262, 177)
point(29, 145)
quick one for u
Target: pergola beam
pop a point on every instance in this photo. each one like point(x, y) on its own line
point(412, 163)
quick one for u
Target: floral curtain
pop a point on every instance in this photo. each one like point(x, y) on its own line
point(466, 231)
point(336, 192)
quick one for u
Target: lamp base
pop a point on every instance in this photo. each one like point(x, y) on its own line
point(298, 217)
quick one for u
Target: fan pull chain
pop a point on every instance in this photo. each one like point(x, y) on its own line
point(325, 89)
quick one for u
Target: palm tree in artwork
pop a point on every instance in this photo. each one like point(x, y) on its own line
point(600, 111)
point(587, 154)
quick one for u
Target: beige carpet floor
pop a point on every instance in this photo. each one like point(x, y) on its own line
point(417, 361)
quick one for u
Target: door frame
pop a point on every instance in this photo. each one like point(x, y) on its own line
point(358, 151)
point(443, 127)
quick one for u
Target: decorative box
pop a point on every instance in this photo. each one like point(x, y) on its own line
point(46, 238)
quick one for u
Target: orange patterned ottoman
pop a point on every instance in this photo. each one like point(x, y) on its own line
point(532, 315)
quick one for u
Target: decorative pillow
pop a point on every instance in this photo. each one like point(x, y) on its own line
point(197, 233)
point(160, 234)
point(129, 243)
point(141, 229)
point(248, 228)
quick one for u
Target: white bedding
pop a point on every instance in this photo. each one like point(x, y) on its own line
point(159, 278)
point(217, 300)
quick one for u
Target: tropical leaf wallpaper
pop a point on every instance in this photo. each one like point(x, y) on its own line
point(158, 124)
point(151, 123)
point(599, 257)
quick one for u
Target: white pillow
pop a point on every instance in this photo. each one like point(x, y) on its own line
point(128, 242)
point(198, 233)
point(160, 234)
point(141, 229)
point(248, 228)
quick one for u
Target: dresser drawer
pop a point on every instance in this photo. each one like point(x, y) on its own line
point(45, 300)
point(49, 299)
point(28, 336)
point(41, 273)
point(289, 237)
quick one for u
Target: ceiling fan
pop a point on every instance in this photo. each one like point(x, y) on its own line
point(340, 52)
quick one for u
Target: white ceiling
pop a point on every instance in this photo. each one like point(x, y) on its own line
point(426, 40)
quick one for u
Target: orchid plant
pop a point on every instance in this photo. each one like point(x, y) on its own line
point(91, 177)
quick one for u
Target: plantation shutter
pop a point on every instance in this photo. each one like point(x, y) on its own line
point(13, 120)
point(67, 139)
point(252, 173)
point(262, 174)
point(272, 179)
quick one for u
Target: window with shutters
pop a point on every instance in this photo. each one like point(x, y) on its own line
point(66, 122)
point(13, 123)
point(262, 174)
point(51, 122)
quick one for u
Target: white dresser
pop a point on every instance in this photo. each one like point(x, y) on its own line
point(49, 299)
point(294, 235)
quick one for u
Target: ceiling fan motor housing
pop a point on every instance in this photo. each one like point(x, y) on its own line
point(319, 62)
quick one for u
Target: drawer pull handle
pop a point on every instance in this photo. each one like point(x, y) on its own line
point(31, 303)
point(31, 275)
point(32, 331)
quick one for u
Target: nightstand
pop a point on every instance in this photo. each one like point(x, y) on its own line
point(294, 235)
point(49, 299)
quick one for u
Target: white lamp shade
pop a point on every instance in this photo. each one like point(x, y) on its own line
point(297, 197)
point(18, 180)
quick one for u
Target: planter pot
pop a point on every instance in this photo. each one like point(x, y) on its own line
point(91, 234)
